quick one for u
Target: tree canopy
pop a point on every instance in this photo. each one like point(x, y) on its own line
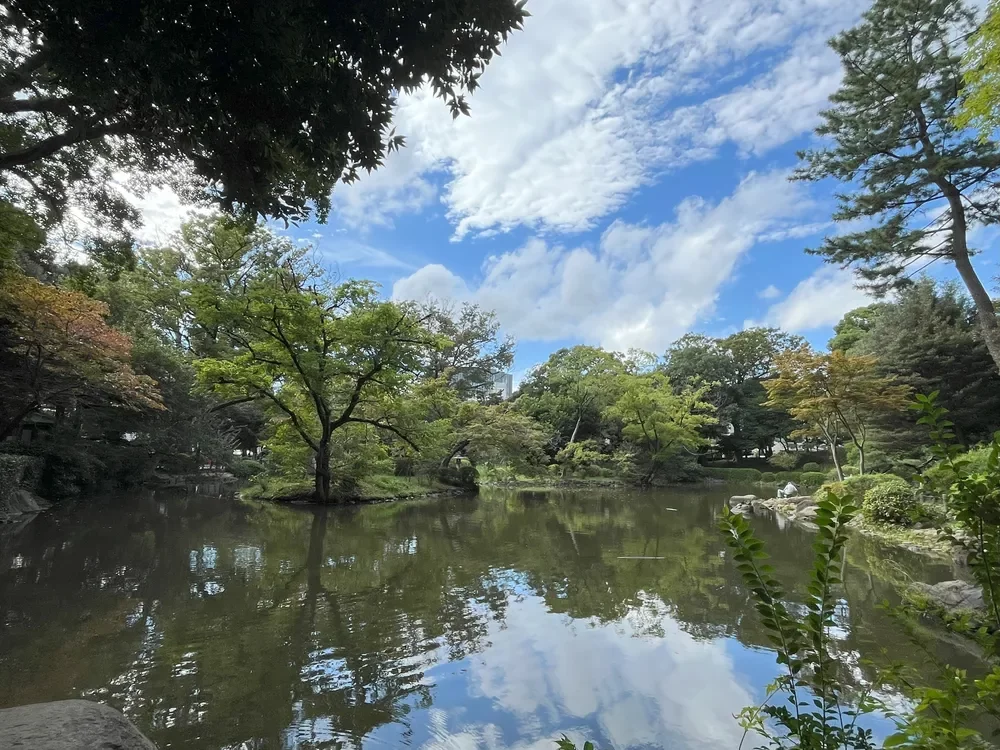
point(268, 104)
point(918, 179)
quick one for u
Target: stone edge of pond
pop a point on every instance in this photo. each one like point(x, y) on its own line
point(61, 725)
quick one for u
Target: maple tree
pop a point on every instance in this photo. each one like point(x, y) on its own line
point(834, 395)
point(57, 350)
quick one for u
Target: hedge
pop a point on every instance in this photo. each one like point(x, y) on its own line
point(891, 502)
point(813, 478)
point(811, 466)
point(788, 476)
point(768, 476)
point(732, 475)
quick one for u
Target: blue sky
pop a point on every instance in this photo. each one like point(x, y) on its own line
point(622, 179)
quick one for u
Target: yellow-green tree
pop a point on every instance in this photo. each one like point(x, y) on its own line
point(321, 356)
point(980, 107)
point(658, 421)
point(835, 396)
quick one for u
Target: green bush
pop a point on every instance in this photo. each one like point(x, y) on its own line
point(768, 476)
point(784, 461)
point(732, 475)
point(788, 476)
point(813, 478)
point(811, 466)
point(891, 502)
point(857, 486)
point(245, 468)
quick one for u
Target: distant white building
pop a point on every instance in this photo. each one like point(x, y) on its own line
point(503, 385)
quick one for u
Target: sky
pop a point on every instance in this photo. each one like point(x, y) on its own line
point(622, 179)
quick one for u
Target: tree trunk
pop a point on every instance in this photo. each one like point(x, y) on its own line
point(861, 459)
point(836, 461)
point(572, 438)
point(323, 471)
point(985, 310)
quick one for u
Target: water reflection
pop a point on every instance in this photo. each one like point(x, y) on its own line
point(502, 621)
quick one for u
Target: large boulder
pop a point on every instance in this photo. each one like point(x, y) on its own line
point(953, 596)
point(69, 725)
point(742, 500)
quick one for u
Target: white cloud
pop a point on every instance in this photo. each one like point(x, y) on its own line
point(578, 112)
point(769, 292)
point(670, 691)
point(818, 301)
point(433, 281)
point(642, 286)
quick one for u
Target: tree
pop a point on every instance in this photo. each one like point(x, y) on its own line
point(474, 351)
point(834, 395)
point(321, 356)
point(570, 389)
point(924, 181)
point(269, 103)
point(57, 351)
point(733, 367)
point(854, 327)
point(928, 339)
point(980, 107)
point(658, 420)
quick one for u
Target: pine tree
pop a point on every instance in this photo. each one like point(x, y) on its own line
point(923, 180)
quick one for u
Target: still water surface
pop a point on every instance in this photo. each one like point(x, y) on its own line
point(501, 621)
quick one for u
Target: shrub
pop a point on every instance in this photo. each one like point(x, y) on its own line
point(732, 475)
point(811, 466)
point(857, 486)
point(768, 476)
point(245, 468)
point(784, 461)
point(812, 478)
point(890, 501)
point(788, 476)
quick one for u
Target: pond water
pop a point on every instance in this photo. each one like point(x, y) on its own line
point(501, 621)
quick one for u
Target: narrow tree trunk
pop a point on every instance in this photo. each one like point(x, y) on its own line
point(861, 458)
point(323, 471)
point(572, 438)
point(836, 461)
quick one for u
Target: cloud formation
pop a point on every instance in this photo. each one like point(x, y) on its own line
point(642, 286)
point(583, 109)
point(818, 301)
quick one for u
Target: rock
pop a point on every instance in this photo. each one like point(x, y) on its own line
point(789, 490)
point(807, 513)
point(744, 509)
point(69, 725)
point(801, 503)
point(953, 596)
point(742, 500)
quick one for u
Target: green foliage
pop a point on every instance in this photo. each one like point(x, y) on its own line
point(658, 421)
point(898, 152)
point(288, 101)
point(980, 105)
point(733, 368)
point(732, 475)
point(812, 478)
point(788, 476)
point(811, 466)
point(246, 468)
point(768, 477)
point(857, 485)
point(816, 713)
point(891, 501)
point(971, 498)
point(784, 461)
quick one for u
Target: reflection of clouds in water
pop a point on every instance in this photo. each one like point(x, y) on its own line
point(667, 691)
point(484, 736)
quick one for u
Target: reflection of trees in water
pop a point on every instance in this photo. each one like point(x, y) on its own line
point(220, 623)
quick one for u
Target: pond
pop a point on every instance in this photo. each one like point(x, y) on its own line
point(498, 621)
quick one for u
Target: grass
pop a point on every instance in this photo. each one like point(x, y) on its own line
point(927, 541)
